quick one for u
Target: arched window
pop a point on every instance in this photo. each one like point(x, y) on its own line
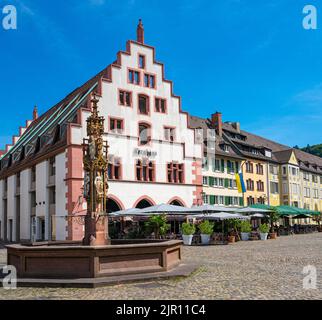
point(144, 104)
point(144, 134)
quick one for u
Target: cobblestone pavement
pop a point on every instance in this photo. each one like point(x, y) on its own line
point(246, 270)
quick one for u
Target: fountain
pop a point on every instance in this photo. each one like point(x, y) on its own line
point(98, 260)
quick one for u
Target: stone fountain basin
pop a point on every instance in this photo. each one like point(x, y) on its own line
point(73, 261)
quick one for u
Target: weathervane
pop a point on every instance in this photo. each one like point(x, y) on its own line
point(95, 179)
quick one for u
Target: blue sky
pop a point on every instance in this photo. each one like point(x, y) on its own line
point(251, 60)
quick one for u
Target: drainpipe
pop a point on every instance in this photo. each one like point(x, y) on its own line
point(268, 184)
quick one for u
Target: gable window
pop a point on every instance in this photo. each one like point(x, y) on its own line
point(145, 170)
point(160, 105)
point(144, 107)
point(149, 80)
point(116, 125)
point(125, 98)
point(141, 61)
point(144, 134)
point(134, 77)
point(169, 133)
point(175, 172)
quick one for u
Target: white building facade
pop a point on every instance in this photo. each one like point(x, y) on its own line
point(153, 156)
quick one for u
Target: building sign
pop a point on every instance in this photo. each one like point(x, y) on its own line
point(145, 153)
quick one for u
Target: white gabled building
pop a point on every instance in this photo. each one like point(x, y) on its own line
point(153, 155)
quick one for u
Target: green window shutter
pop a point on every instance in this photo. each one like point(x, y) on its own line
point(226, 201)
point(232, 167)
point(211, 181)
point(222, 165)
point(237, 167)
point(226, 183)
point(241, 202)
point(212, 199)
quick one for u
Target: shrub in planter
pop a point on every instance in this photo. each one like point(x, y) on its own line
point(206, 229)
point(158, 225)
point(188, 230)
point(264, 229)
point(245, 229)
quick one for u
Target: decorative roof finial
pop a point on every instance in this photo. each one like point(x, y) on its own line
point(35, 113)
point(140, 32)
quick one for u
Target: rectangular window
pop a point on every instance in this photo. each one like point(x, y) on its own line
point(175, 172)
point(169, 134)
point(134, 77)
point(116, 125)
point(125, 98)
point(259, 169)
point(205, 198)
point(160, 105)
point(217, 165)
point(205, 180)
point(144, 107)
point(52, 166)
point(274, 187)
point(149, 81)
point(249, 167)
point(145, 171)
point(141, 61)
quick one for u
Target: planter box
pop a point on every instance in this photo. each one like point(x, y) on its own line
point(187, 239)
point(263, 236)
point(205, 238)
point(244, 236)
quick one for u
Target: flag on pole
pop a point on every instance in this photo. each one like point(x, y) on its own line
point(240, 183)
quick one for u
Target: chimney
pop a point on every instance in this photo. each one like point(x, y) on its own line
point(216, 120)
point(140, 32)
point(236, 125)
point(35, 113)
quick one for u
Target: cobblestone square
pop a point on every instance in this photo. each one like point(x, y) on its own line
point(245, 270)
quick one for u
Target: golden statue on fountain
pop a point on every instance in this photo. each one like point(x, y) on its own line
point(95, 180)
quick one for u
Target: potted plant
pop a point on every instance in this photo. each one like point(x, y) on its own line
point(231, 238)
point(245, 229)
point(188, 230)
point(264, 229)
point(318, 219)
point(158, 225)
point(274, 217)
point(206, 229)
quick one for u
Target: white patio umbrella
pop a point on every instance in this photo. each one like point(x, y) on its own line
point(212, 208)
point(124, 213)
point(252, 210)
point(165, 208)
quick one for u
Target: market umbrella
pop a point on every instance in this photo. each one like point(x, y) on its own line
point(166, 208)
point(212, 208)
point(253, 210)
point(125, 213)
